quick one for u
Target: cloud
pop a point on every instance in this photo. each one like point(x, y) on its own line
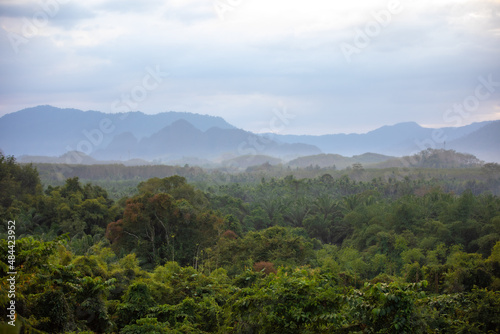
point(15, 10)
point(46, 12)
point(129, 5)
point(258, 55)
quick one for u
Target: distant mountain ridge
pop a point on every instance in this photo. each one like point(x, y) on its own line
point(50, 131)
point(181, 139)
point(483, 143)
point(430, 158)
point(180, 136)
point(409, 138)
point(79, 158)
point(338, 161)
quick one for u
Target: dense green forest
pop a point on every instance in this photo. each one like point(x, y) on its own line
point(268, 250)
point(449, 170)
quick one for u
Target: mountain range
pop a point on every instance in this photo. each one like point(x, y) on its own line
point(480, 139)
point(164, 137)
point(178, 136)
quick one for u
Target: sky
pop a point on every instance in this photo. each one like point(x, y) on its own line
point(289, 67)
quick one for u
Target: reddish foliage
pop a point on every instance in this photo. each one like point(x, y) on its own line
point(422, 191)
point(132, 210)
point(266, 267)
point(230, 235)
point(114, 230)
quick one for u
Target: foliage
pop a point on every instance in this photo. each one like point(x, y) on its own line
point(302, 301)
point(338, 252)
point(386, 308)
point(159, 227)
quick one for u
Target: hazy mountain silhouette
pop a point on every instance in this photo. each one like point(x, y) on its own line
point(404, 139)
point(433, 158)
point(483, 143)
point(181, 139)
point(179, 136)
point(47, 130)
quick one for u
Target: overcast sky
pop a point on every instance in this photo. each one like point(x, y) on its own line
point(325, 66)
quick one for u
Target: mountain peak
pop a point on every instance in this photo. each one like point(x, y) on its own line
point(182, 124)
point(399, 126)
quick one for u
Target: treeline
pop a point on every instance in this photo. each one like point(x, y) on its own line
point(121, 181)
point(116, 172)
point(281, 255)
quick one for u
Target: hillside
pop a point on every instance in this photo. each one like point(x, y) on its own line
point(483, 142)
point(181, 140)
point(80, 158)
point(51, 131)
point(339, 161)
point(403, 139)
point(246, 161)
point(433, 159)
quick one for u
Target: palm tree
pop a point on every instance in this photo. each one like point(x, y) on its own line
point(297, 212)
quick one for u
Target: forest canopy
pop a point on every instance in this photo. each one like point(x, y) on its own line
point(275, 254)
